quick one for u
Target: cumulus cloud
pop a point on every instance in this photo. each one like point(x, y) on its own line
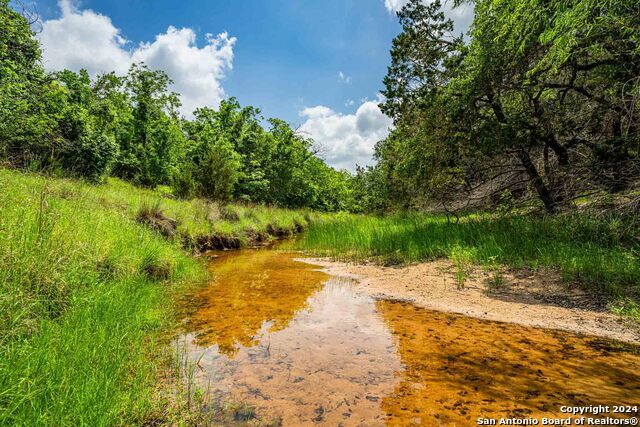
point(346, 140)
point(86, 39)
point(196, 72)
point(462, 16)
point(83, 39)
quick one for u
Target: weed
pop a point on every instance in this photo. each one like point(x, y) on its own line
point(154, 217)
point(231, 214)
point(462, 262)
point(495, 281)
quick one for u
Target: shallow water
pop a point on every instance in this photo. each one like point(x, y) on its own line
point(308, 349)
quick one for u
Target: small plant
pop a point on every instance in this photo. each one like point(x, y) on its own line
point(230, 213)
point(626, 306)
point(392, 259)
point(153, 216)
point(107, 267)
point(461, 258)
point(495, 281)
point(156, 267)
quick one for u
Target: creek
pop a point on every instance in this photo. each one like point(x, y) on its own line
point(307, 348)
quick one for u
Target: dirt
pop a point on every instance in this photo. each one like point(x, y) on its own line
point(215, 242)
point(539, 299)
point(158, 221)
point(250, 239)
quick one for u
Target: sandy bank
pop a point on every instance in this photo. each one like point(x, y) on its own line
point(537, 299)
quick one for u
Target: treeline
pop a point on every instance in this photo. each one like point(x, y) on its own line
point(540, 102)
point(130, 127)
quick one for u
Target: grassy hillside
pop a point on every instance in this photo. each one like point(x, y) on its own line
point(83, 291)
point(601, 253)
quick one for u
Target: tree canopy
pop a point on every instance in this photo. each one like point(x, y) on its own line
point(540, 99)
point(129, 127)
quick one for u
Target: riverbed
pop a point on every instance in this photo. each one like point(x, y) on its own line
point(304, 347)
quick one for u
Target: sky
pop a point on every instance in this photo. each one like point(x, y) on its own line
point(318, 64)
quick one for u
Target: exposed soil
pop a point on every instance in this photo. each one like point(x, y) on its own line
point(156, 220)
point(216, 242)
point(250, 239)
point(538, 299)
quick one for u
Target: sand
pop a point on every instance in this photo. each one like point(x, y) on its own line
point(538, 299)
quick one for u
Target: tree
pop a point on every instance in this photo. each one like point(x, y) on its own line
point(28, 98)
point(423, 151)
point(423, 58)
point(286, 167)
point(89, 149)
point(211, 167)
point(540, 97)
point(150, 148)
point(241, 126)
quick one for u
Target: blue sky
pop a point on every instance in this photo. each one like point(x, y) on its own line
point(288, 53)
point(317, 64)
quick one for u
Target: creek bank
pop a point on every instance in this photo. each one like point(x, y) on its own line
point(155, 219)
point(538, 299)
point(248, 239)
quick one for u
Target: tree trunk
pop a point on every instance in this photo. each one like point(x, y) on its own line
point(559, 150)
point(544, 194)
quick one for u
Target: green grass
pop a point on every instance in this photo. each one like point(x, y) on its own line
point(601, 253)
point(195, 217)
point(84, 286)
point(83, 296)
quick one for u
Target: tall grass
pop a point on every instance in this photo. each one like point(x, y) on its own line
point(85, 295)
point(195, 217)
point(79, 309)
point(597, 252)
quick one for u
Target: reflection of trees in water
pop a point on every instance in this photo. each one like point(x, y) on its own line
point(250, 288)
point(458, 369)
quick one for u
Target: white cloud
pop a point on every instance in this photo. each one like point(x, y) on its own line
point(462, 15)
point(196, 72)
point(344, 78)
point(349, 103)
point(345, 140)
point(86, 39)
point(83, 39)
point(394, 5)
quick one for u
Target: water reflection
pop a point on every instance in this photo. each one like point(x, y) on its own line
point(250, 288)
point(332, 364)
point(310, 350)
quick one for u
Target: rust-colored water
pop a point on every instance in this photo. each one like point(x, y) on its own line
point(309, 349)
point(457, 369)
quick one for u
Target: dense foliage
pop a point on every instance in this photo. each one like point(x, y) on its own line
point(537, 102)
point(539, 99)
point(130, 127)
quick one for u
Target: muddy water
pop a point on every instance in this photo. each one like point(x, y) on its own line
point(308, 349)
